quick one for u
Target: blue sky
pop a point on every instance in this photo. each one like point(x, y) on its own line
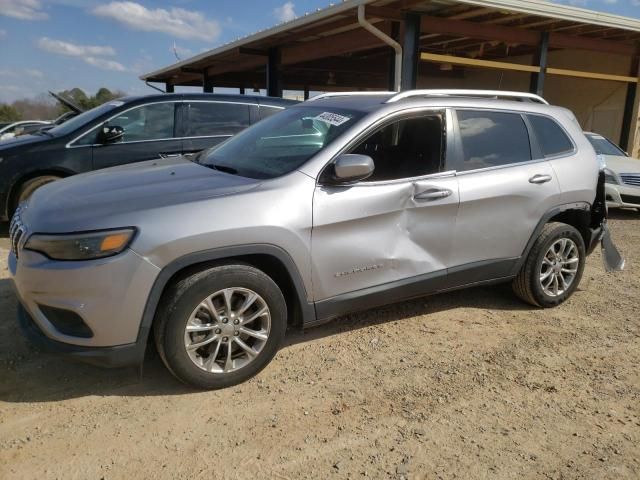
point(59, 44)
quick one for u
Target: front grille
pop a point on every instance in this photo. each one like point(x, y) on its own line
point(17, 233)
point(633, 199)
point(632, 179)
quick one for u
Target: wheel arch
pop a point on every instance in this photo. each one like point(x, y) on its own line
point(270, 259)
point(578, 215)
point(30, 175)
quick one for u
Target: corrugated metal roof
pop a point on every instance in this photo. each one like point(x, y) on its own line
point(540, 8)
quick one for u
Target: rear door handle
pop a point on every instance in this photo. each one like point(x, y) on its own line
point(433, 194)
point(170, 154)
point(540, 179)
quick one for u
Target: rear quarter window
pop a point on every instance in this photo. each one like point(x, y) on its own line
point(552, 139)
point(492, 139)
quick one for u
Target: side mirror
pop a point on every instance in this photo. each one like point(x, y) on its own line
point(110, 134)
point(352, 167)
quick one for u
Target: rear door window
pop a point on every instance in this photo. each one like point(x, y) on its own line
point(205, 119)
point(551, 137)
point(492, 139)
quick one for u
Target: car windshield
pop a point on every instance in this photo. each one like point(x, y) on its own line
point(84, 118)
point(281, 143)
point(604, 146)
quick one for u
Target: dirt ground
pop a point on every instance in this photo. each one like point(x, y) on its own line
point(471, 384)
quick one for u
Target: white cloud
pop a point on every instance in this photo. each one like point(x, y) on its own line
point(32, 72)
point(23, 9)
point(177, 22)
point(73, 50)
point(285, 13)
point(29, 72)
point(90, 54)
point(105, 64)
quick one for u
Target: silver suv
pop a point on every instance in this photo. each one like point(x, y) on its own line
point(343, 203)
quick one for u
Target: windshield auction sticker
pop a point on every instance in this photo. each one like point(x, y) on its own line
point(332, 118)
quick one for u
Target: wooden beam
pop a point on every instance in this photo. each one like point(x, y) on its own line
point(561, 40)
point(384, 12)
point(463, 28)
point(324, 28)
point(472, 62)
point(591, 75)
point(475, 12)
point(516, 35)
point(347, 42)
point(253, 51)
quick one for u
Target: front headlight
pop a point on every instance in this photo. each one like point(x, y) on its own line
point(81, 246)
point(610, 177)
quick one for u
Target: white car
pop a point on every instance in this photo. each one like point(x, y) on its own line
point(21, 128)
point(622, 173)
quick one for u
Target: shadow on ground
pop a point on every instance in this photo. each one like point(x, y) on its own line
point(34, 376)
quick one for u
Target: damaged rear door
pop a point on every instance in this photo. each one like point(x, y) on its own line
point(393, 230)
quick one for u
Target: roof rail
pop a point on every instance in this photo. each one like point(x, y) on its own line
point(347, 94)
point(497, 94)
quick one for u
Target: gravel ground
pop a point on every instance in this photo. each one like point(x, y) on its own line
point(471, 384)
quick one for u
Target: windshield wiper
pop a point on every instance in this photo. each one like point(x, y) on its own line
point(224, 168)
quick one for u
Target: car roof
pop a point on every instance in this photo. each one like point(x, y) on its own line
point(258, 99)
point(378, 102)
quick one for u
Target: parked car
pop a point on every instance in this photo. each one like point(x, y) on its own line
point(332, 206)
point(129, 130)
point(622, 173)
point(16, 129)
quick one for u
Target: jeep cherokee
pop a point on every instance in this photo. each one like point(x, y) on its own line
point(342, 203)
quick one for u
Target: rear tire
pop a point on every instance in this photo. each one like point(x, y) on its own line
point(221, 326)
point(553, 268)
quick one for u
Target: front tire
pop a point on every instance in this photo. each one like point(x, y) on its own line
point(553, 268)
point(221, 326)
point(32, 185)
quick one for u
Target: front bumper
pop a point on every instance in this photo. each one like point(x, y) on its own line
point(108, 295)
point(110, 357)
point(622, 196)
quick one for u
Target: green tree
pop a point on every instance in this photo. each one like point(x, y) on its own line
point(8, 113)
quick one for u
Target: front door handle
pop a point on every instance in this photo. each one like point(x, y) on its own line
point(433, 194)
point(170, 154)
point(539, 179)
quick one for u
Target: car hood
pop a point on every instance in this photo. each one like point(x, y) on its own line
point(94, 199)
point(7, 144)
point(622, 164)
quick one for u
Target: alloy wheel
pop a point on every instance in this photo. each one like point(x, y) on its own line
point(227, 330)
point(559, 267)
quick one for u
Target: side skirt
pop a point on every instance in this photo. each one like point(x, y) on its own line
point(474, 274)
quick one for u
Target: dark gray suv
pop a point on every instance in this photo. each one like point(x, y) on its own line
point(127, 130)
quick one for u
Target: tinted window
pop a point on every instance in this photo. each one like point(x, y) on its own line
point(148, 122)
point(85, 118)
point(280, 143)
point(207, 118)
point(407, 148)
point(550, 136)
point(491, 139)
point(603, 146)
